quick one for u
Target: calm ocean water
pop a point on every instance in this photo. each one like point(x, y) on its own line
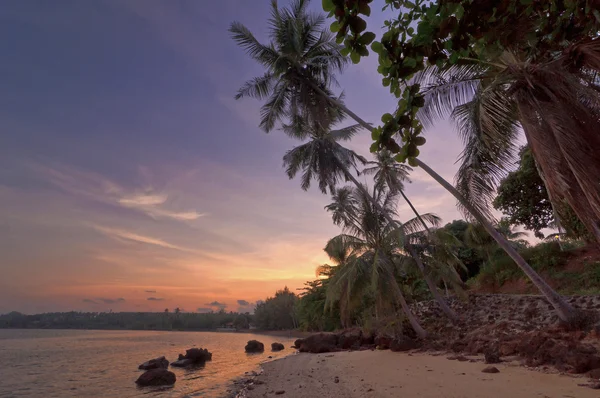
point(92, 363)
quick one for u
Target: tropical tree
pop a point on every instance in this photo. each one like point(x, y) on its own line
point(371, 239)
point(390, 174)
point(312, 89)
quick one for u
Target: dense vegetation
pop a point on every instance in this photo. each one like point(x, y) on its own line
point(127, 320)
point(498, 68)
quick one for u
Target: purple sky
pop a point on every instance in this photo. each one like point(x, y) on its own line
point(130, 178)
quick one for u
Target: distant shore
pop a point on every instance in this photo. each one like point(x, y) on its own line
point(390, 374)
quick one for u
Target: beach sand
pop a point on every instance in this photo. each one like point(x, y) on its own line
point(389, 374)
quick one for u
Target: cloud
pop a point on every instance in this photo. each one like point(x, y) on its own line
point(150, 291)
point(131, 236)
point(245, 306)
point(111, 301)
point(103, 300)
point(155, 299)
point(204, 310)
point(217, 305)
point(99, 188)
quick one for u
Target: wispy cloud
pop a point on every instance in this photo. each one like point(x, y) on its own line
point(101, 189)
point(243, 302)
point(155, 299)
point(204, 310)
point(150, 291)
point(103, 300)
point(217, 304)
point(134, 237)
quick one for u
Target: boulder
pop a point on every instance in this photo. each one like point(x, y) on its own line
point(594, 373)
point(156, 377)
point(298, 343)
point(320, 342)
point(277, 347)
point(490, 369)
point(198, 354)
point(181, 363)
point(350, 338)
point(156, 363)
point(403, 343)
point(491, 355)
point(192, 356)
point(383, 341)
point(254, 346)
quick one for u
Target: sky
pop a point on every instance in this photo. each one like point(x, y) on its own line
point(132, 180)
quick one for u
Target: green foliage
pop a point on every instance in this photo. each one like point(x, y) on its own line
point(278, 312)
point(523, 197)
point(125, 320)
point(448, 32)
point(311, 311)
point(470, 257)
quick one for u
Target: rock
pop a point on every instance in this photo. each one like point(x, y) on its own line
point(254, 346)
point(403, 343)
point(491, 369)
point(383, 341)
point(198, 354)
point(491, 356)
point(336, 379)
point(156, 363)
point(320, 342)
point(277, 347)
point(156, 377)
point(594, 373)
point(279, 392)
point(350, 338)
point(182, 363)
point(298, 343)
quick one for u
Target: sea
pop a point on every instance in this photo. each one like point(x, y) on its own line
point(99, 363)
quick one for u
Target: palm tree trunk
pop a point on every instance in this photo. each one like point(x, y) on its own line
point(434, 290)
point(456, 275)
point(563, 309)
point(411, 317)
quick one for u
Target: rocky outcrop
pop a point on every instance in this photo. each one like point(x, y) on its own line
point(403, 343)
point(254, 346)
point(193, 356)
point(277, 346)
point(350, 339)
point(318, 343)
point(156, 377)
point(383, 341)
point(156, 363)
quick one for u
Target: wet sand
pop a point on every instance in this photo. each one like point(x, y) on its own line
point(379, 374)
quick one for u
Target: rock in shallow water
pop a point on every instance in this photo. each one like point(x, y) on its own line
point(156, 363)
point(277, 347)
point(254, 346)
point(156, 377)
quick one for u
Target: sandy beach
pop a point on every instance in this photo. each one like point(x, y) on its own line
point(390, 374)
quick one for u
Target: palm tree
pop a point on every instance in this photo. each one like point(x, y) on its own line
point(299, 47)
point(298, 87)
point(324, 159)
point(391, 174)
point(556, 105)
point(371, 239)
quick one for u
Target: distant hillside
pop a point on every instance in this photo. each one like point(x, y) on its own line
point(126, 320)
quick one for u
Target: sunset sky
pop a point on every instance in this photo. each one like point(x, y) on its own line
point(130, 178)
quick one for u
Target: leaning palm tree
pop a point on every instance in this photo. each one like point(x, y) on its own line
point(555, 105)
point(324, 159)
point(301, 90)
point(390, 174)
point(299, 48)
point(373, 241)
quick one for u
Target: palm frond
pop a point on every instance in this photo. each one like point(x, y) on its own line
point(265, 55)
point(258, 87)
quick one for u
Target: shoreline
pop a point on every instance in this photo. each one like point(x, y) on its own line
point(383, 373)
